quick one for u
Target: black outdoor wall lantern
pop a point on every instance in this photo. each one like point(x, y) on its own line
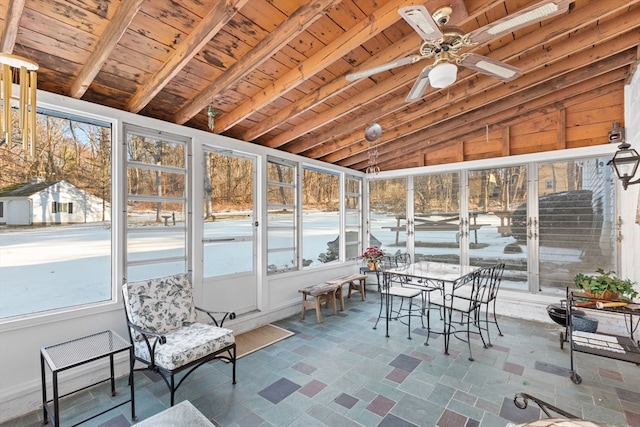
point(626, 160)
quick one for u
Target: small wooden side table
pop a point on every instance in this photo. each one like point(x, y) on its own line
point(77, 352)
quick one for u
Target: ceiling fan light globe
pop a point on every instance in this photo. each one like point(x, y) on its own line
point(443, 75)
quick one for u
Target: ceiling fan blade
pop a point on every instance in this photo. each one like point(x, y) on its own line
point(421, 21)
point(536, 13)
point(420, 85)
point(490, 67)
point(383, 67)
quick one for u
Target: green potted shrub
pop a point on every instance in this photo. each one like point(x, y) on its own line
point(605, 285)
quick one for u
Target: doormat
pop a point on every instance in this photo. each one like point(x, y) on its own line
point(255, 339)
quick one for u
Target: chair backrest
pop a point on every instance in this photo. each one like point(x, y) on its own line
point(471, 288)
point(494, 284)
point(403, 259)
point(388, 262)
point(160, 305)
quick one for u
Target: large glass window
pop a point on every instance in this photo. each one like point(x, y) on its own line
point(156, 204)
point(282, 216)
point(576, 217)
point(388, 217)
point(320, 217)
point(55, 245)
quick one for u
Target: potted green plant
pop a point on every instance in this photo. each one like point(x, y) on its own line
point(605, 285)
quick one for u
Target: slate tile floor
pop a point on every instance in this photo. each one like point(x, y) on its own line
point(344, 373)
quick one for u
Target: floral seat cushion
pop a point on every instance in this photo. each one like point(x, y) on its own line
point(160, 305)
point(186, 345)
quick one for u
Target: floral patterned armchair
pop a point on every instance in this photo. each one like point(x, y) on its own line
point(165, 333)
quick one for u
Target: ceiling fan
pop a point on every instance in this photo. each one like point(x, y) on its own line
point(442, 43)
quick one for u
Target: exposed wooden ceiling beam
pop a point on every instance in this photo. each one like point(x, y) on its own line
point(349, 40)
point(332, 88)
point(10, 31)
point(339, 84)
point(298, 21)
point(112, 34)
point(210, 25)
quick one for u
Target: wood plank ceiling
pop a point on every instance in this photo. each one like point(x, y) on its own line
point(274, 70)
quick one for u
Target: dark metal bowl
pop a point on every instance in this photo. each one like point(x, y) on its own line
point(558, 313)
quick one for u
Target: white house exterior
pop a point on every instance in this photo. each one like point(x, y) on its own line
point(44, 203)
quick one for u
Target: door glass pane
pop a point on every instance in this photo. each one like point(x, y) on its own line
point(498, 221)
point(388, 214)
point(436, 221)
point(576, 221)
point(228, 228)
point(353, 217)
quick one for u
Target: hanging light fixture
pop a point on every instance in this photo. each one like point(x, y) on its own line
point(626, 160)
point(443, 75)
point(19, 70)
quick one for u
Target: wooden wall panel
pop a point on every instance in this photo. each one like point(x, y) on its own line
point(532, 143)
point(444, 153)
point(585, 124)
point(484, 147)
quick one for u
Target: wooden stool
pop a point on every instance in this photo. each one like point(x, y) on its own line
point(322, 294)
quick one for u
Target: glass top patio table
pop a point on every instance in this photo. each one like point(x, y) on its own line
point(429, 275)
point(433, 272)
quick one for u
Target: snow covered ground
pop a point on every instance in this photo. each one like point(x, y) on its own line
point(45, 268)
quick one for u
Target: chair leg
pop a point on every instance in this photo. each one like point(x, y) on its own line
point(428, 327)
point(486, 324)
point(380, 313)
point(173, 390)
point(409, 322)
point(469, 337)
point(477, 315)
point(495, 319)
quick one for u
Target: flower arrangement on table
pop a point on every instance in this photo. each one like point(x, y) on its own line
point(372, 256)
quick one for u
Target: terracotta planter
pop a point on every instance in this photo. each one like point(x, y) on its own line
point(373, 266)
point(608, 295)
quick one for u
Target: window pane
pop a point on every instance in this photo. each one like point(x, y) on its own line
point(278, 172)
point(67, 266)
point(283, 196)
point(155, 151)
point(320, 217)
point(576, 221)
point(155, 183)
point(158, 269)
